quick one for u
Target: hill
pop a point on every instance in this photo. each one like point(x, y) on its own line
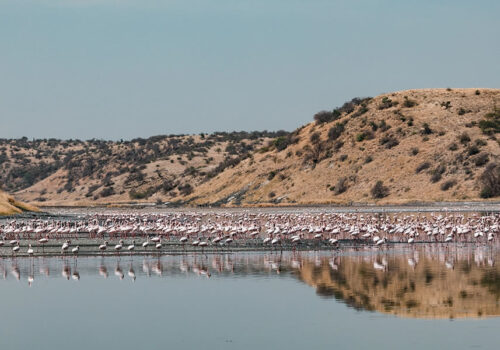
point(160, 168)
point(408, 146)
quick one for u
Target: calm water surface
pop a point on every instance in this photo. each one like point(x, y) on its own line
point(432, 297)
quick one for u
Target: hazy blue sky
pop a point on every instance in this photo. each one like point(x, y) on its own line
point(125, 68)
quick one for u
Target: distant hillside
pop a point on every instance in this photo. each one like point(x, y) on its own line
point(408, 146)
point(160, 168)
point(9, 206)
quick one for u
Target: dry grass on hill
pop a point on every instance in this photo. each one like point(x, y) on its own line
point(408, 146)
point(97, 172)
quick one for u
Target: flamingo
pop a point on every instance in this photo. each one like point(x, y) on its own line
point(119, 246)
point(65, 246)
point(158, 245)
point(131, 247)
point(44, 239)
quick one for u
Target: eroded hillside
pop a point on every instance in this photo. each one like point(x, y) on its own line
point(408, 146)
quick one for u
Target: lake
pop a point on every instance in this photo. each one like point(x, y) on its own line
point(413, 298)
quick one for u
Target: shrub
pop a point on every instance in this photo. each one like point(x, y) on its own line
point(338, 145)
point(365, 135)
point(435, 177)
point(437, 173)
point(271, 175)
point(414, 151)
point(478, 92)
point(409, 103)
point(341, 186)
point(106, 192)
point(490, 181)
point(91, 190)
point(472, 150)
point(480, 143)
point(190, 171)
point(281, 143)
point(379, 190)
point(426, 129)
point(326, 116)
point(446, 104)
point(453, 147)
point(445, 186)
point(481, 159)
point(185, 189)
point(384, 126)
point(167, 186)
point(387, 103)
point(362, 110)
point(335, 131)
point(315, 138)
point(349, 106)
point(138, 195)
point(422, 167)
point(464, 138)
point(491, 123)
point(368, 159)
point(389, 141)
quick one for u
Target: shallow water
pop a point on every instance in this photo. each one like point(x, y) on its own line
point(427, 297)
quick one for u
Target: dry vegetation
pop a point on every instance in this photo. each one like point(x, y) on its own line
point(157, 169)
point(409, 146)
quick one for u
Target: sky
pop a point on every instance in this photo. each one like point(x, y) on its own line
point(120, 69)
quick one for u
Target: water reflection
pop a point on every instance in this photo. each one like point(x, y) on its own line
point(420, 283)
point(428, 282)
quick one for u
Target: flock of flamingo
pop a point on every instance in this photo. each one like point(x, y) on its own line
point(244, 229)
point(247, 264)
